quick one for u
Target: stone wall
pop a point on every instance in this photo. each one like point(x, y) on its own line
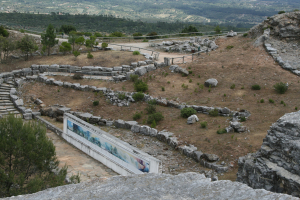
point(276, 165)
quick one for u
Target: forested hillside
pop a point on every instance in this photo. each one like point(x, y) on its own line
point(101, 23)
point(221, 11)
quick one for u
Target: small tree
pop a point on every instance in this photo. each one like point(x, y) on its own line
point(72, 39)
point(152, 34)
point(218, 29)
point(7, 45)
point(27, 158)
point(48, 39)
point(27, 45)
point(65, 47)
point(79, 42)
point(76, 54)
point(90, 42)
point(3, 32)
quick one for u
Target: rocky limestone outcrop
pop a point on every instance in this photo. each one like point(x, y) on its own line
point(155, 186)
point(282, 26)
point(276, 165)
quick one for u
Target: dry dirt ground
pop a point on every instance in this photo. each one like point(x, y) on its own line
point(101, 58)
point(243, 65)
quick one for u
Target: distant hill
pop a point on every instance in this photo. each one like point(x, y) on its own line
point(232, 11)
point(99, 23)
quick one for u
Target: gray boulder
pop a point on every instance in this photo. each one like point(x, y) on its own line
point(211, 82)
point(210, 157)
point(192, 119)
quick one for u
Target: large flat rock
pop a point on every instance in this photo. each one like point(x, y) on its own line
point(156, 186)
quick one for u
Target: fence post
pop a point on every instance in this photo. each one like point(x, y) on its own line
point(192, 57)
point(152, 53)
point(172, 61)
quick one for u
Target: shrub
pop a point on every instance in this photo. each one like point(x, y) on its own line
point(152, 102)
point(155, 117)
point(121, 96)
point(150, 109)
point(271, 100)
point(153, 125)
point(104, 45)
point(95, 103)
point(214, 112)
point(296, 108)
point(138, 96)
point(229, 47)
point(137, 116)
point(140, 86)
point(243, 119)
point(281, 12)
point(232, 86)
point(134, 77)
point(245, 34)
point(221, 131)
point(281, 102)
point(281, 88)
point(203, 124)
point(162, 88)
point(145, 40)
point(89, 55)
point(255, 87)
point(186, 112)
point(136, 53)
point(262, 101)
point(77, 76)
point(190, 81)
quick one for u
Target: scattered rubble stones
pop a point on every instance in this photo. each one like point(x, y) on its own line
point(198, 44)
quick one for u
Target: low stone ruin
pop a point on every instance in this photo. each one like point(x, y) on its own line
point(195, 44)
point(276, 165)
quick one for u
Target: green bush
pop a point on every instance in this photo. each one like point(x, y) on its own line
point(281, 12)
point(243, 119)
point(152, 102)
point(104, 45)
point(95, 103)
point(186, 112)
point(150, 109)
point(137, 116)
point(203, 124)
point(157, 117)
point(281, 88)
point(255, 87)
point(214, 112)
point(271, 100)
point(77, 76)
point(245, 34)
point(140, 86)
point(232, 86)
point(89, 55)
point(221, 131)
point(229, 47)
point(145, 40)
point(162, 88)
point(121, 96)
point(262, 101)
point(134, 77)
point(153, 124)
point(136, 53)
point(138, 96)
point(281, 102)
